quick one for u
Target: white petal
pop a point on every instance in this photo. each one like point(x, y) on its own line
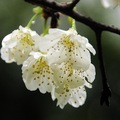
point(81, 59)
point(6, 40)
point(50, 39)
point(5, 55)
point(84, 42)
point(75, 80)
point(59, 75)
point(28, 77)
point(56, 31)
point(56, 55)
point(90, 48)
point(78, 97)
point(62, 98)
point(7, 44)
point(80, 55)
point(90, 73)
point(53, 93)
point(87, 84)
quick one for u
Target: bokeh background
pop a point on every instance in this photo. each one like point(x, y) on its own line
point(18, 103)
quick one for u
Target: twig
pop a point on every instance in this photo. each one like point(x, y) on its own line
point(66, 9)
point(106, 92)
point(72, 4)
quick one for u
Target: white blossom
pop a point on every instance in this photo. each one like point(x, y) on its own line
point(70, 84)
point(110, 3)
point(68, 46)
point(37, 73)
point(17, 45)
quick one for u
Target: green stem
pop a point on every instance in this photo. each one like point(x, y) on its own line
point(45, 29)
point(32, 19)
point(45, 25)
point(73, 24)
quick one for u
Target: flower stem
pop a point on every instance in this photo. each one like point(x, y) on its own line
point(32, 19)
point(73, 24)
point(45, 28)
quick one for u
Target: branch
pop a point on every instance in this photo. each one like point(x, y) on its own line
point(66, 9)
point(106, 93)
point(73, 4)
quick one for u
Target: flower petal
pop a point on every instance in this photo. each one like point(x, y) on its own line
point(90, 48)
point(78, 97)
point(50, 39)
point(62, 97)
point(56, 55)
point(90, 73)
point(81, 59)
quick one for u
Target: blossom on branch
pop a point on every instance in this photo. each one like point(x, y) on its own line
point(68, 55)
point(17, 45)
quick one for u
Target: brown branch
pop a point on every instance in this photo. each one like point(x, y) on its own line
point(66, 9)
point(73, 4)
point(106, 92)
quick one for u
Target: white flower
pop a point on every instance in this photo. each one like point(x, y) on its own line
point(17, 45)
point(68, 55)
point(67, 46)
point(70, 84)
point(37, 73)
point(110, 3)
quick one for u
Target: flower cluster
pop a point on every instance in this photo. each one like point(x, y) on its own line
point(58, 63)
point(110, 3)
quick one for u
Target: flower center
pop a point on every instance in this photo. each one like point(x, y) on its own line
point(41, 66)
point(27, 39)
point(68, 43)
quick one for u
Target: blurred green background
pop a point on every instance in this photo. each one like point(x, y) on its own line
point(18, 103)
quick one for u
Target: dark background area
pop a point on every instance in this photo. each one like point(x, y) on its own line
point(18, 103)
